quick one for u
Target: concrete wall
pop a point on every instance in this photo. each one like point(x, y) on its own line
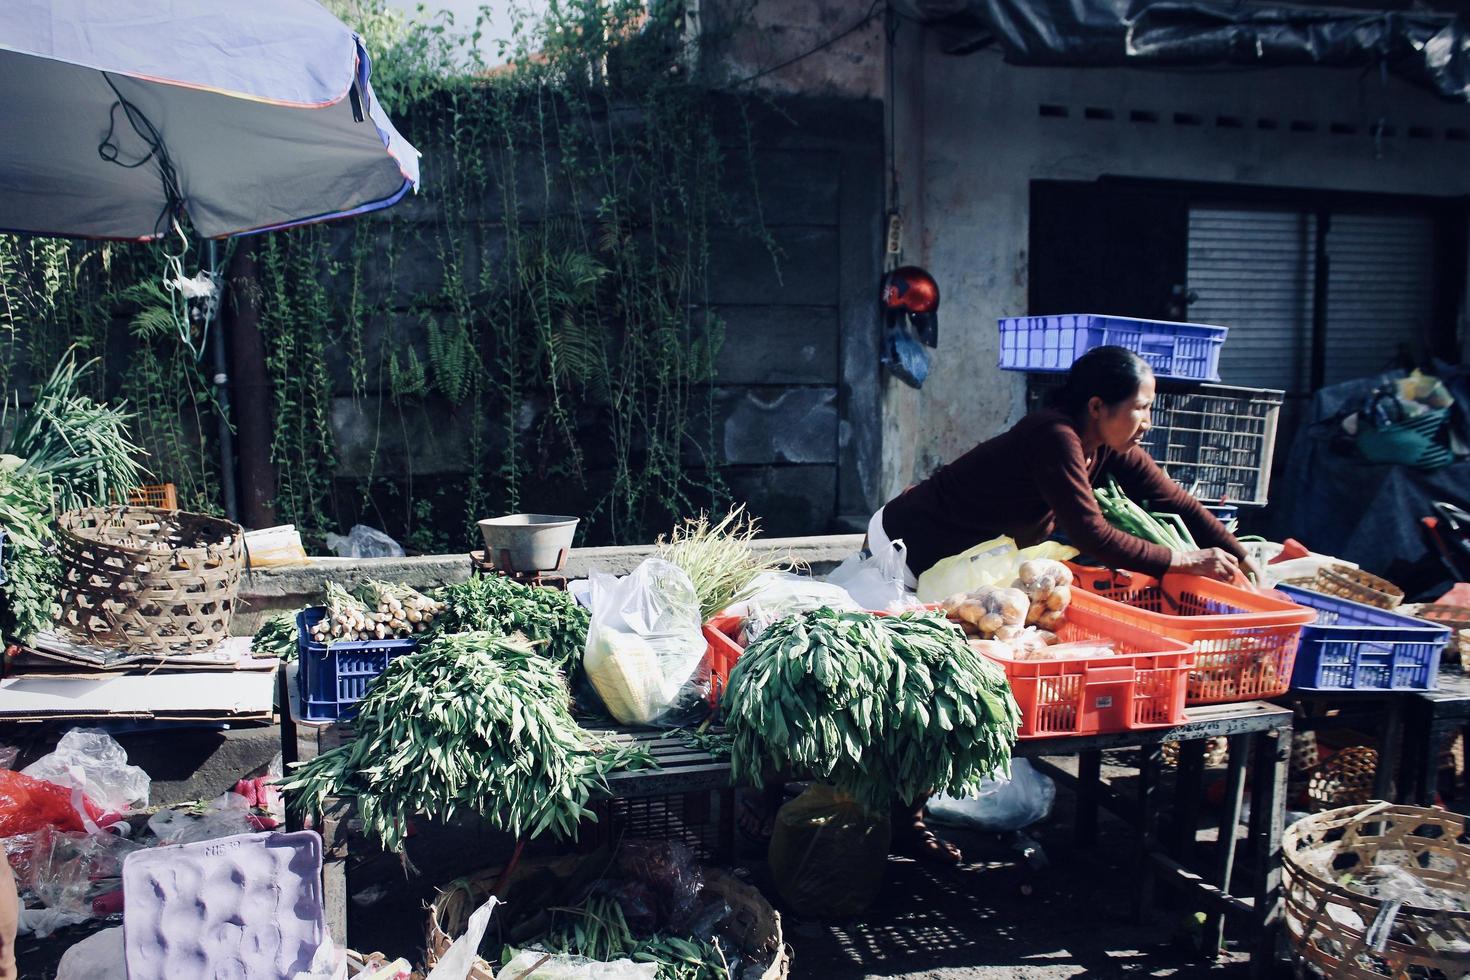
point(755, 39)
point(983, 140)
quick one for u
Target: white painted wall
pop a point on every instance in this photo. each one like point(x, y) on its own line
point(981, 141)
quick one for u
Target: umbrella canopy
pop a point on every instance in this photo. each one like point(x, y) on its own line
point(249, 115)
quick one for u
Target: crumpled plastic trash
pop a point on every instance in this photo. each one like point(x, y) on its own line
point(43, 922)
point(28, 804)
point(98, 957)
point(92, 761)
point(364, 542)
point(77, 875)
point(228, 814)
point(560, 966)
point(1003, 804)
point(457, 961)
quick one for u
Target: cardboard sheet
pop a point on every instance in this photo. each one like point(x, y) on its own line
point(233, 653)
point(222, 695)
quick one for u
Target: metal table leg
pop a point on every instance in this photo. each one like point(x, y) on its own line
point(1268, 818)
point(1089, 781)
point(1230, 808)
point(1188, 785)
point(1391, 743)
point(1150, 756)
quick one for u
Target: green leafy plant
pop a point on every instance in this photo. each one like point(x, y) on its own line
point(28, 596)
point(550, 618)
point(718, 558)
point(879, 707)
point(84, 447)
point(475, 723)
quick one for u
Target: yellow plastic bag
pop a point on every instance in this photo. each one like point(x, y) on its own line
point(828, 853)
point(993, 562)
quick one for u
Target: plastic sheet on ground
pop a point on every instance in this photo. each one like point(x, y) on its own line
point(1003, 803)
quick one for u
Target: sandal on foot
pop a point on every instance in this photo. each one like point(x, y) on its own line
point(926, 847)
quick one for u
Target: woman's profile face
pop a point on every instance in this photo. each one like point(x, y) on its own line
point(1123, 426)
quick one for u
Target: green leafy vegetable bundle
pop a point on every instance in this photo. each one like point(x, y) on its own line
point(598, 930)
point(880, 707)
point(276, 637)
point(491, 603)
point(28, 598)
point(475, 722)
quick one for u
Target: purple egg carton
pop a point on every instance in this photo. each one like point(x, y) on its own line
point(246, 907)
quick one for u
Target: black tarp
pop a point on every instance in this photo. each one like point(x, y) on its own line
point(1431, 50)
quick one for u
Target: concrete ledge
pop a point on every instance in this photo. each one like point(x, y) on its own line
point(268, 590)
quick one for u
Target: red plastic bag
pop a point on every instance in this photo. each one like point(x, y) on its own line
point(28, 804)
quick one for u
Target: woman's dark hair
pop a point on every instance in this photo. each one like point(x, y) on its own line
point(1110, 373)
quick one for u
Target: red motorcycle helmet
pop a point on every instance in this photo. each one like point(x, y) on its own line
point(909, 289)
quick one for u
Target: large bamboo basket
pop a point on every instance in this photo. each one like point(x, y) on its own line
point(1328, 923)
point(148, 580)
point(756, 925)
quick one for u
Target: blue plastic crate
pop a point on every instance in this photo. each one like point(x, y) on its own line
point(1186, 351)
point(334, 678)
point(1356, 647)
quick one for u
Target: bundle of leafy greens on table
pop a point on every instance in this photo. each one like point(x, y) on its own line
point(473, 723)
point(882, 708)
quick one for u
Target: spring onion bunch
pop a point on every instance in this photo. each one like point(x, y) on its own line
point(880, 707)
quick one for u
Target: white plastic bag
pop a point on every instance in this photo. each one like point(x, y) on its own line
point(645, 653)
point(776, 595)
point(92, 761)
point(364, 542)
point(559, 966)
point(98, 957)
point(1003, 804)
point(876, 581)
point(459, 959)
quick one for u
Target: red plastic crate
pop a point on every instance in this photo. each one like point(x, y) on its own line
point(721, 633)
point(1141, 686)
point(1246, 640)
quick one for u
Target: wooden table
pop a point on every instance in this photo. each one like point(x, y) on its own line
point(1257, 731)
point(682, 771)
point(1433, 717)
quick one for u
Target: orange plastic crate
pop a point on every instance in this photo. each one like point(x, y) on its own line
point(1246, 640)
point(1141, 686)
point(161, 495)
point(721, 633)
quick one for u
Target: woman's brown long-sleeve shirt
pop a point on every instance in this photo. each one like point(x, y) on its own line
point(1032, 480)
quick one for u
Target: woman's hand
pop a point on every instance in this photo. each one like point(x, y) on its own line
point(1215, 563)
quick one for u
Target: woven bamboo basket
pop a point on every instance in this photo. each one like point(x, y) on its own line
point(754, 924)
point(1345, 778)
point(1330, 925)
point(1217, 750)
point(1358, 585)
point(148, 580)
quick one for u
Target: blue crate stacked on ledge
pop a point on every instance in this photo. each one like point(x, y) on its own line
point(1175, 351)
point(1357, 647)
point(333, 678)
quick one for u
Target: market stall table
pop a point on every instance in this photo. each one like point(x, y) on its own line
point(1380, 711)
point(1256, 730)
point(1434, 717)
point(682, 771)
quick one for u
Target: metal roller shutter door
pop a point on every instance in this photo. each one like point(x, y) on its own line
point(1380, 291)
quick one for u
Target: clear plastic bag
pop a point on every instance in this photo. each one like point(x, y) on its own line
point(645, 653)
point(1004, 804)
point(364, 542)
point(92, 761)
point(77, 874)
point(876, 581)
point(228, 814)
point(530, 964)
point(776, 595)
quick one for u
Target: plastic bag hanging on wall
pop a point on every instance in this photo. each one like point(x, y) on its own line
point(902, 354)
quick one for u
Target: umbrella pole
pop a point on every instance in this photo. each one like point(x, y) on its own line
point(222, 394)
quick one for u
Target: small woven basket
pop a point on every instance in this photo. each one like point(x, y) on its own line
point(1345, 928)
point(754, 924)
point(148, 580)
point(1345, 778)
point(1357, 585)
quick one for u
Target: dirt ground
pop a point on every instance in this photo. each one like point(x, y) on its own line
point(993, 918)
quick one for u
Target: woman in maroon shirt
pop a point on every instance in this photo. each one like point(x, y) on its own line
point(1038, 478)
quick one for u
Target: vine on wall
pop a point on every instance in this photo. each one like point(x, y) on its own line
point(567, 210)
